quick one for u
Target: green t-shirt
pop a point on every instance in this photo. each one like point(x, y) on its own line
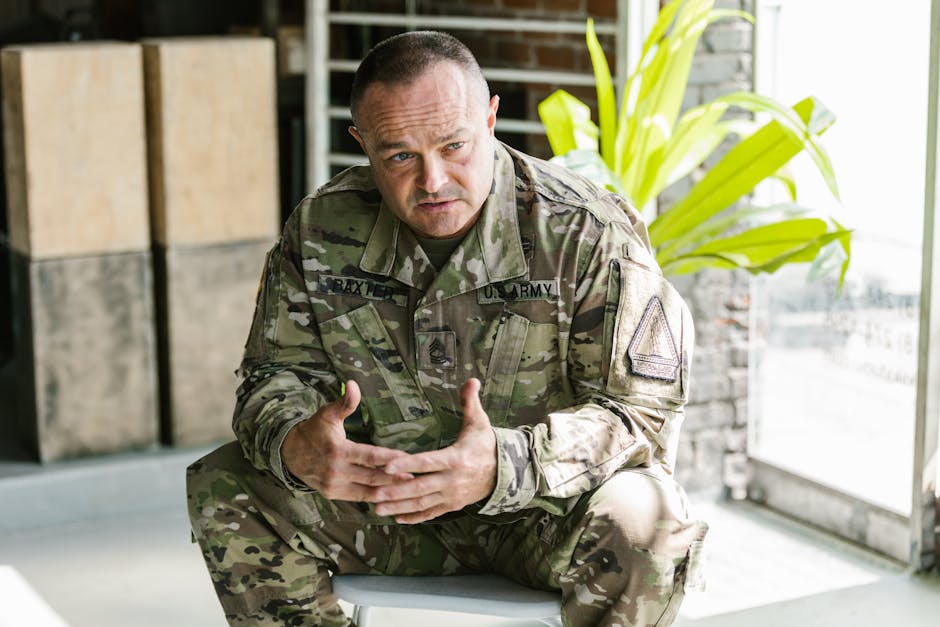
point(439, 250)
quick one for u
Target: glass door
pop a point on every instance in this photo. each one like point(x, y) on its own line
point(834, 378)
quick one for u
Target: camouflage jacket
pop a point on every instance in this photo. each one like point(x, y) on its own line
point(553, 300)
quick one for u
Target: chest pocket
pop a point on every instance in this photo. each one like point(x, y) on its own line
point(524, 376)
point(362, 350)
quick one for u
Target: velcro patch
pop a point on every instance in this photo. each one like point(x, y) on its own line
point(652, 350)
point(513, 291)
point(437, 349)
point(364, 288)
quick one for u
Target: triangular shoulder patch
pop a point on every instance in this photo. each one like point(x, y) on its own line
point(652, 350)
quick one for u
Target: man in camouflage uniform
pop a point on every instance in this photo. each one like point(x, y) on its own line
point(366, 440)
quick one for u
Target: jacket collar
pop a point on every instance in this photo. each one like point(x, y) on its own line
point(491, 251)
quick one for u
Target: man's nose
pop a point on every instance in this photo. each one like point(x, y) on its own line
point(433, 175)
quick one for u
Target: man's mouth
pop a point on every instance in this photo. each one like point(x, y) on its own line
point(435, 204)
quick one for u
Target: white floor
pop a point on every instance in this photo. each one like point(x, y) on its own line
point(142, 571)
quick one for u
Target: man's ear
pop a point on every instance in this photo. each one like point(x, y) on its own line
point(355, 133)
point(491, 115)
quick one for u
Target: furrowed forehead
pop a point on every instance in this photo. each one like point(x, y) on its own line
point(433, 110)
point(444, 72)
point(390, 143)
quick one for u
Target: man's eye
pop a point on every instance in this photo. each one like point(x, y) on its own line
point(456, 145)
point(401, 156)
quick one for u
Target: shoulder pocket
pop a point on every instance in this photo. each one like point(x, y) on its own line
point(652, 340)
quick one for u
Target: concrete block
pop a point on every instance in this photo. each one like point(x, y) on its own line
point(700, 461)
point(212, 127)
point(709, 415)
point(741, 412)
point(740, 352)
point(739, 380)
point(206, 298)
point(717, 68)
point(732, 37)
point(86, 368)
point(75, 152)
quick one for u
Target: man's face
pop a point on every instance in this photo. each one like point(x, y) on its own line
point(431, 146)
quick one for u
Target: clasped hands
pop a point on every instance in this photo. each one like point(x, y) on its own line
point(411, 487)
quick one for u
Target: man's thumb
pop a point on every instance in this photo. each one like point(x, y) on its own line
point(350, 400)
point(470, 400)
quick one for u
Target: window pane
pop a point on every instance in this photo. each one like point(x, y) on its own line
point(833, 387)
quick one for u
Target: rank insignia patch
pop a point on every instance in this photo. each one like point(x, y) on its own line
point(437, 349)
point(652, 350)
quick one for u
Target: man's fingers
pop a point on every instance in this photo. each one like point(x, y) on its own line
point(369, 455)
point(420, 517)
point(373, 476)
point(419, 463)
point(419, 487)
point(409, 506)
point(349, 482)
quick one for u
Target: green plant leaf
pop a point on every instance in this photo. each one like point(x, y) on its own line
point(749, 162)
point(719, 14)
point(689, 264)
point(789, 184)
point(698, 149)
point(567, 123)
point(696, 135)
point(606, 99)
point(654, 147)
point(803, 254)
point(663, 22)
point(841, 257)
point(662, 88)
point(589, 164)
point(760, 243)
point(831, 258)
point(734, 217)
point(808, 118)
point(763, 249)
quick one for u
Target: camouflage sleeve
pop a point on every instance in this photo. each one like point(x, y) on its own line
point(628, 357)
point(287, 375)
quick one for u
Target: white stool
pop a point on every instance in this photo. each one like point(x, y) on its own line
point(492, 595)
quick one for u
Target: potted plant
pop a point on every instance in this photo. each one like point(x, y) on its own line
point(648, 145)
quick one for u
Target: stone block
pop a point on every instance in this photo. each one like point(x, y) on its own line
point(739, 379)
point(735, 439)
point(740, 352)
point(85, 354)
point(732, 37)
point(741, 411)
point(713, 414)
point(75, 151)
point(212, 128)
point(205, 301)
point(716, 68)
point(700, 461)
point(736, 474)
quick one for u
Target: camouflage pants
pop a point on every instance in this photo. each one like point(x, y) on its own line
point(622, 556)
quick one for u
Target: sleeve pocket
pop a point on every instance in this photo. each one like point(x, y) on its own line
point(652, 341)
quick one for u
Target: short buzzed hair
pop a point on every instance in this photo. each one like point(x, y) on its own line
point(402, 58)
